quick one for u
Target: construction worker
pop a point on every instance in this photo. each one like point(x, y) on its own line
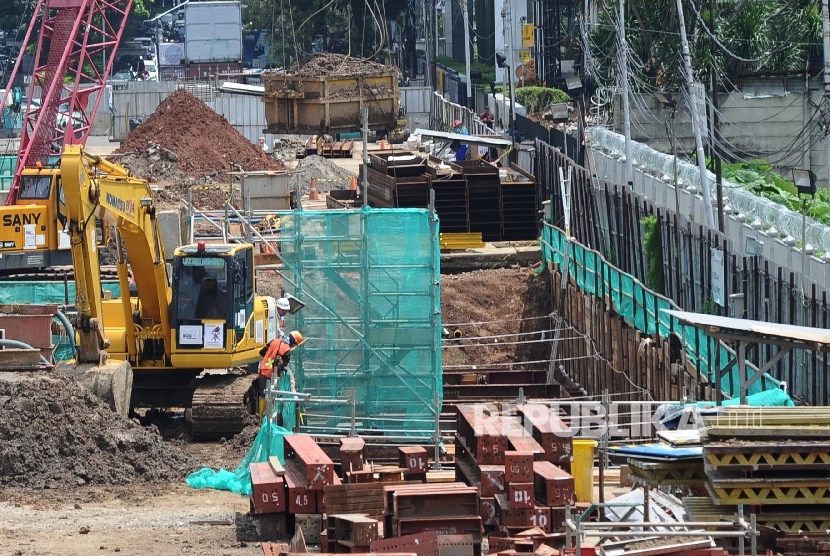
point(283, 306)
point(459, 147)
point(275, 356)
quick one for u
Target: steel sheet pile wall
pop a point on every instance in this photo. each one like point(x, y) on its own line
point(608, 219)
point(370, 281)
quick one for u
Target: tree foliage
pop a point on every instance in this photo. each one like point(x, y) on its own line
point(536, 99)
point(756, 38)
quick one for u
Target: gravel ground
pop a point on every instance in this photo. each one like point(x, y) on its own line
point(162, 521)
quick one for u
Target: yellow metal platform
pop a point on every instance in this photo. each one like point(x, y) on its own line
point(451, 241)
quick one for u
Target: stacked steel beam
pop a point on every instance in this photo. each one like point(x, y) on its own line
point(516, 463)
point(449, 509)
point(773, 462)
point(470, 195)
point(285, 497)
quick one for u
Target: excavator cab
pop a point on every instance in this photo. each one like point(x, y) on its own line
point(213, 296)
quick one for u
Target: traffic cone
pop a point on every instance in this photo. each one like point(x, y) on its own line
point(383, 144)
point(312, 194)
point(353, 184)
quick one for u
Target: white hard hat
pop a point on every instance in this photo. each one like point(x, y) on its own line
point(282, 303)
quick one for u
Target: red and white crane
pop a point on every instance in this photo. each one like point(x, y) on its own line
point(75, 51)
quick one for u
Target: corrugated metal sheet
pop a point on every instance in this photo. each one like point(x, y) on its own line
point(244, 112)
point(139, 100)
point(774, 330)
point(416, 99)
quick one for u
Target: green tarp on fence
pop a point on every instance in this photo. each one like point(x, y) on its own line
point(44, 293)
point(642, 309)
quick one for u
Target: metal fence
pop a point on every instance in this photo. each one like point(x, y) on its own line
point(698, 268)
point(139, 101)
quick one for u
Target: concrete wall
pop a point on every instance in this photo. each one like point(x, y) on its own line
point(769, 121)
point(174, 226)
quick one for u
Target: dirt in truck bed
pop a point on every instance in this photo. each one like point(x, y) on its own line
point(338, 65)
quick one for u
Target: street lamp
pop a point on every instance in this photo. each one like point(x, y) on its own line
point(805, 183)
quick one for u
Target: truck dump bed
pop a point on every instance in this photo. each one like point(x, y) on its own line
point(331, 102)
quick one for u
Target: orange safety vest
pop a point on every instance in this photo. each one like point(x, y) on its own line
point(277, 348)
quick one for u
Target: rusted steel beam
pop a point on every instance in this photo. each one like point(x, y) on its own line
point(422, 544)
point(308, 461)
point(488, 478)
point(553, 486)
point(520, 495)
point(442, 526)
point(479, 430)
point(526, 444)
point(518, 467)
point(267, 489)
point(352, 454)
point(555, 437)
point(301, 500)
point(436, 502)
point(413, 458)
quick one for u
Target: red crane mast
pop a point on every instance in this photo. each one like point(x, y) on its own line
point(75, 52)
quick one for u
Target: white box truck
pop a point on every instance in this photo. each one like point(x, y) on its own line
point(213, 32)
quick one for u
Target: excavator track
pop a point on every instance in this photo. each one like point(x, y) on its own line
point(219, 407)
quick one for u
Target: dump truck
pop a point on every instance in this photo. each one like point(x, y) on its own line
point(326, 94)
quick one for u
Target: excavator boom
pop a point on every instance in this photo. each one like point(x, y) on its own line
point(203, 315)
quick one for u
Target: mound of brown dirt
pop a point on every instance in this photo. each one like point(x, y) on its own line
point(186, 137)
point(54, 433)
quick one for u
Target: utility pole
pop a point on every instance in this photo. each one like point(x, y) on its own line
point(467, 52)
point(690, 82)
point(427, 80)
point(715, 119)
point(435, 26)
point(825, 33)
point(508, 36)
point(629, 161)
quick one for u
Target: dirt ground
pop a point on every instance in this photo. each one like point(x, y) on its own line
point(169, 518)
point(162, 520)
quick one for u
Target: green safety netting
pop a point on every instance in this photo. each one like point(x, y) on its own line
point(370, 280)
point(8, 164)
point(44, 293)
point(769, 398)
point(268, 443)
point(643, 309)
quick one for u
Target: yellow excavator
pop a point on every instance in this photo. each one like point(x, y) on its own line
point(187, 336)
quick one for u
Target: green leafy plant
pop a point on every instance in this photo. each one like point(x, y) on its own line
point(758, 177)
point(654, 253)
point(536, 99)
point(709, 307)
